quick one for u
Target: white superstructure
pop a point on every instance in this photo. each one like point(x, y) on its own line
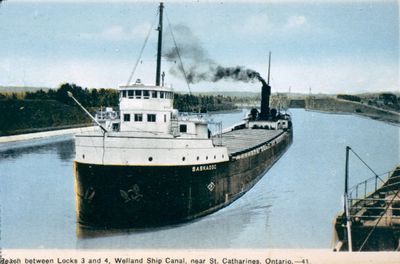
point(148, 131)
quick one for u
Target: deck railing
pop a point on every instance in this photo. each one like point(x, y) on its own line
point(370, 199)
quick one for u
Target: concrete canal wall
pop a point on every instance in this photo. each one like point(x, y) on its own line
point(41, 135)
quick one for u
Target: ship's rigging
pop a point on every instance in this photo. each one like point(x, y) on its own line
point(159, 75)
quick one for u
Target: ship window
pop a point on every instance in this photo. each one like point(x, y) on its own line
point(130, 94)
point(151, 118)
point(198, 158)
point(183, 128)
point(127, 117)
point(215, 157)
point(183, 158)
point(146, 94)
point(138, 117)
point(165, 118)
point(123, 93)
point(138, 94)
point(154, 94)
point(206, 157)
point(161, 94)
point(150, 159)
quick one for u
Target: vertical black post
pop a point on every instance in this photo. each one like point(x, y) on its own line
point(346, 202)
point(269, 66)
point(159, 47)
point(346, 175)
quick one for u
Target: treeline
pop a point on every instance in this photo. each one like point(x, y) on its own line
point(25, 112)
point(27, 116)
point(387, 101)
point(349, 97)
point(89, 98)
point(202, 103)
point(109, 97)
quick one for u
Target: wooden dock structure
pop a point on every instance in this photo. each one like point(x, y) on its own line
point(375, 218)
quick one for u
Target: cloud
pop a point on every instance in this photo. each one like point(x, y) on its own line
point(118, 33)
point(295, 22)
point(261, 24)
point(254, 25)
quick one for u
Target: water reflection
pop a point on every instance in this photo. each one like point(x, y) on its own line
point(219, 230)
point(292, 206)
point(63, 146)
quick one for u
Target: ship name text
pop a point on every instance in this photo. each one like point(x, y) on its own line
point(204, 168)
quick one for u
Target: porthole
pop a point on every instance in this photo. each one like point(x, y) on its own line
point(183, 158)
point(198, 158)
point(206, 157)
point(223, 156)
point(83, 156)
point(215, 157)
point(150, 159)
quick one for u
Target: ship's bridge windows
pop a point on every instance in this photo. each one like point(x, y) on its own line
point(183, 128)
point(138, 94)
point(146, 94)
point(138, 117)
point(127, 117)
point(151, 118)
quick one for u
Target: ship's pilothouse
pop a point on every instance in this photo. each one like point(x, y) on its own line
point(148, 109)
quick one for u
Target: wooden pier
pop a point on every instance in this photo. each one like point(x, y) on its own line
point(374, 219)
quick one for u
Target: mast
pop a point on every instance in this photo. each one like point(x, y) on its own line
point(159, 46)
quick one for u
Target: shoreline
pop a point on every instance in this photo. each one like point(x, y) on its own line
point(60, 132)
point(372, 117)
point(42, 135)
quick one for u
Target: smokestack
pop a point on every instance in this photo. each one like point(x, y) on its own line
point(265, 94)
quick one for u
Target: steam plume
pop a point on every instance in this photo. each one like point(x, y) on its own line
point(198, 66)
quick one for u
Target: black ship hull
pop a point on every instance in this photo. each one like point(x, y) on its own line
point(152, 196)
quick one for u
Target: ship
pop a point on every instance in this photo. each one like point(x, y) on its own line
point(147, 165)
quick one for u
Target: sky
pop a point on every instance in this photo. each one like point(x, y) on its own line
point(326, 46)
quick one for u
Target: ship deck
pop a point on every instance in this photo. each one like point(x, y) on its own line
point(241, 140)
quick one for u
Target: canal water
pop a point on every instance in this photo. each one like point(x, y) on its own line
point(293, 206)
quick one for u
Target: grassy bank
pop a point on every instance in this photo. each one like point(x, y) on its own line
point(27, 116)
point(334, 105)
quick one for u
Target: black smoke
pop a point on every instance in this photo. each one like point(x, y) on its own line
point(197, 65)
